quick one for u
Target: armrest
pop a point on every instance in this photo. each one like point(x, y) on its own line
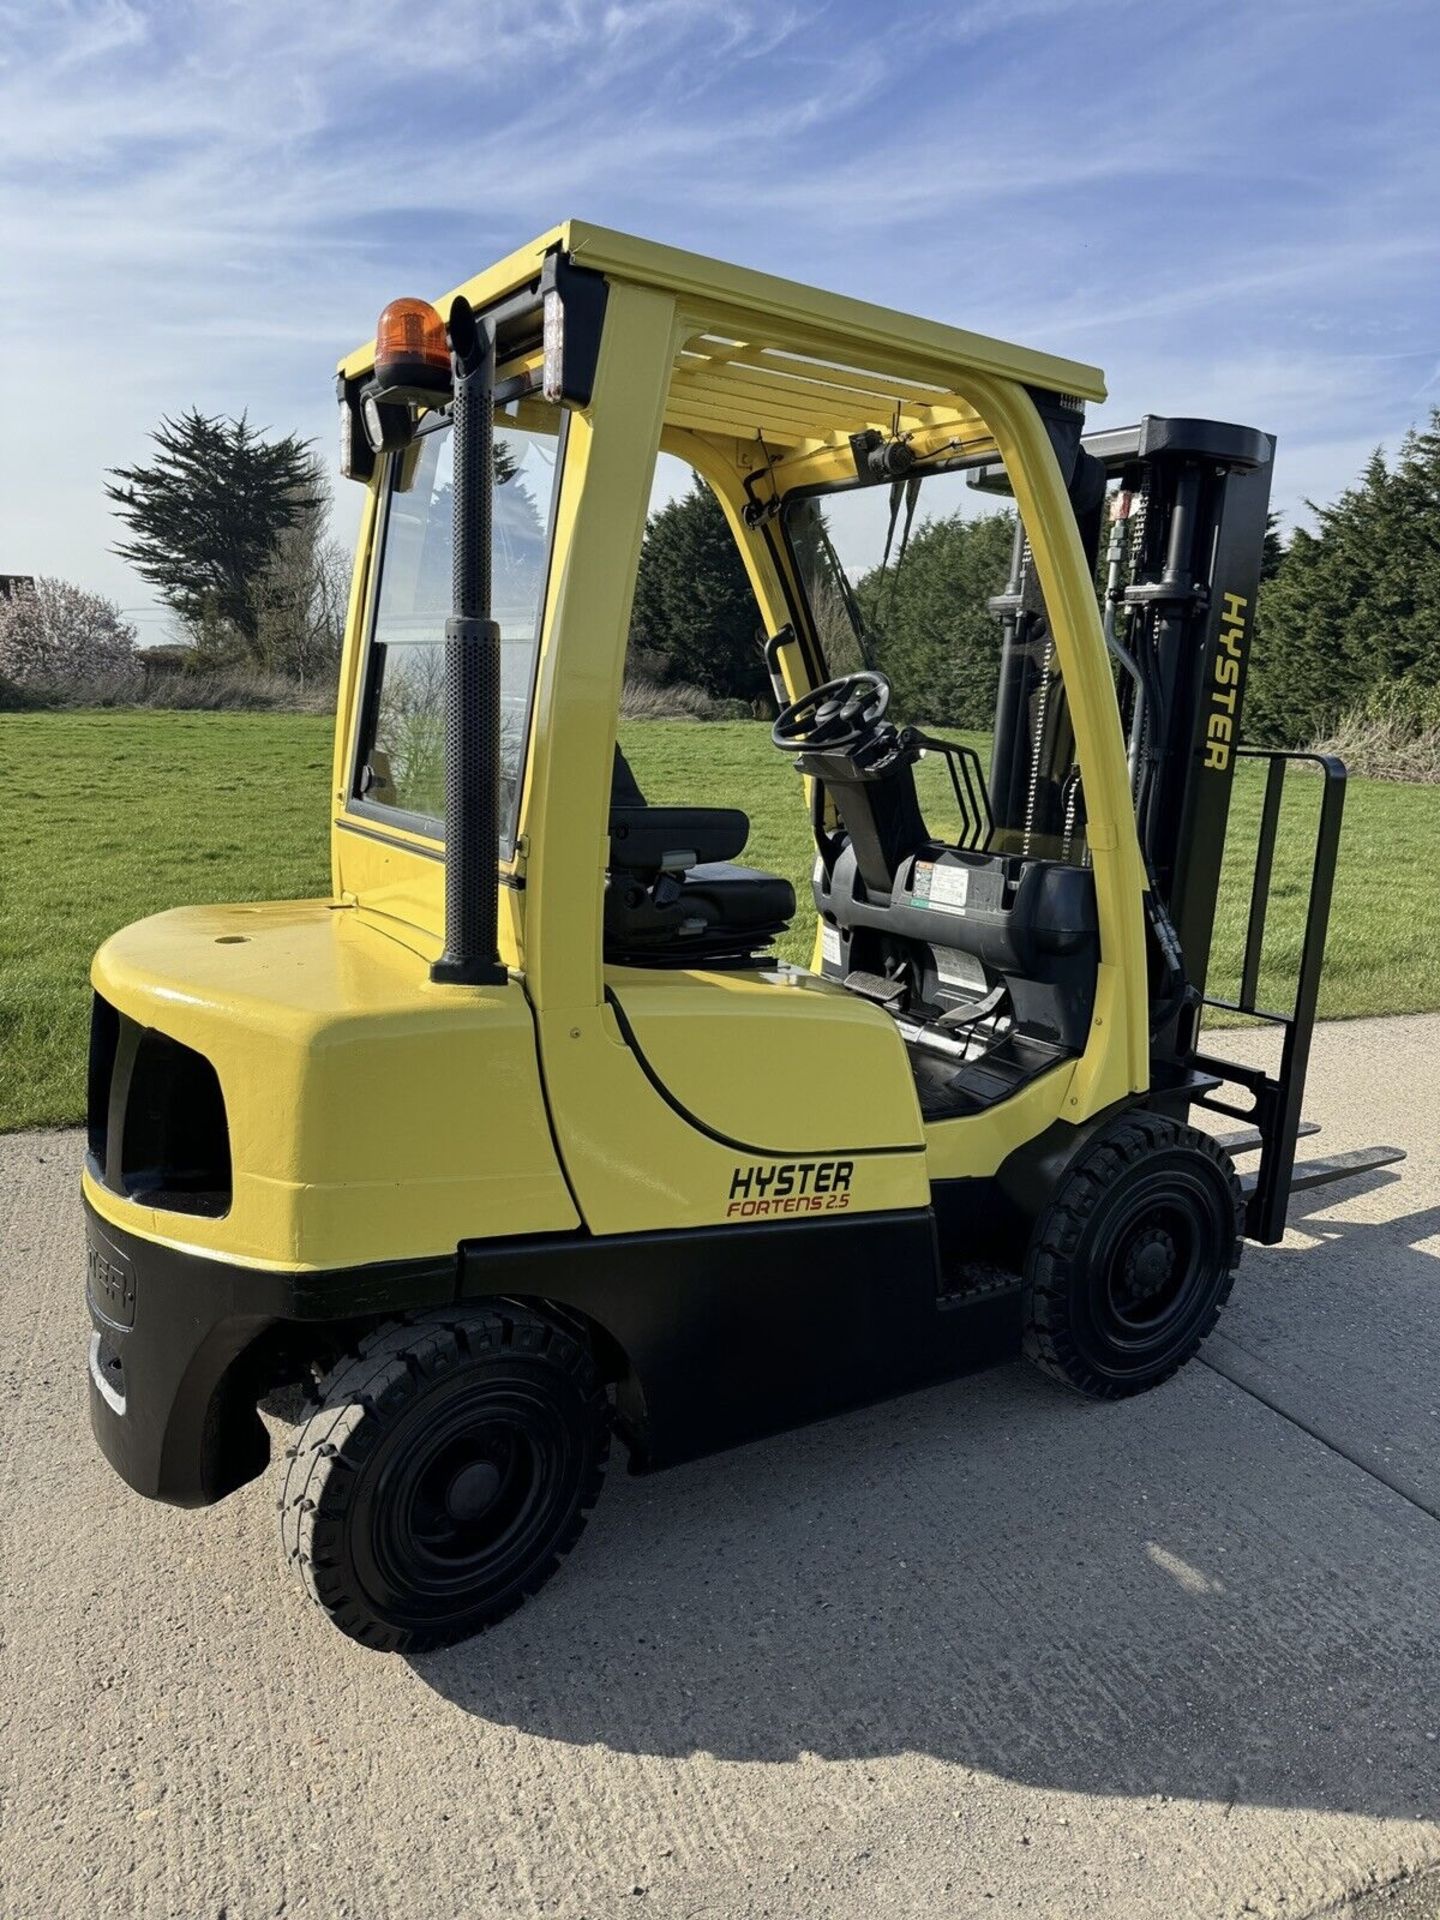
point(658, 839)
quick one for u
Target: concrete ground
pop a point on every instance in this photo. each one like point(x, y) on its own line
point(985, 1651)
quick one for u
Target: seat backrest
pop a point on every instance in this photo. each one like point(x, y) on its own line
point(651, 840)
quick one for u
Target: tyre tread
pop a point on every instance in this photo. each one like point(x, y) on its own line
point(1046, 1333)
point(384, 1373)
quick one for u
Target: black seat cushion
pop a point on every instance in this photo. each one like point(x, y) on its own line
point(740, 898)
point(672, 896)
point(674, 839)
point(713, 913)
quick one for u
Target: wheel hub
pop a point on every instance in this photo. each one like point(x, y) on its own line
point(472, 1491)
point(1149, 1266)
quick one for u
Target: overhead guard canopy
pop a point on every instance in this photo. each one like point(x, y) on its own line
point(764, 356)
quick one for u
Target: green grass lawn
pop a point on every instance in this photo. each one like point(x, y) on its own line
point(115, 815)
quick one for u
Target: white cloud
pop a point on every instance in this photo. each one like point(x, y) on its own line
point(1232, 209)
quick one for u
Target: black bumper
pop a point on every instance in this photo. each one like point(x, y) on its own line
point(176, 1345)
point(717, 1334)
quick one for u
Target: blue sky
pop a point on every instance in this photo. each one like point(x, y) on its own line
point(1231, 208)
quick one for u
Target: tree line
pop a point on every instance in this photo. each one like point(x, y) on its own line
point(695, 619)
point(231, 529)
point(1348, 622)
point(927, 622)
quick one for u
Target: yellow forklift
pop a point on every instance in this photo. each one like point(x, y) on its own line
point(523, 1136)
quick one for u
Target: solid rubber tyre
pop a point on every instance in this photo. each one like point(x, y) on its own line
point(448, 1469)
point(1133, 1257)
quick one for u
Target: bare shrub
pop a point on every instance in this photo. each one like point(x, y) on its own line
point(17, 699)
point(642, 698)
point(202, 692)
point(167, 656)
point(300, 601)
point(1394, 734)
point(221, 692)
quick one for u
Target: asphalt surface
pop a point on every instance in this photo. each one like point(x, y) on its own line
point(984, 1651)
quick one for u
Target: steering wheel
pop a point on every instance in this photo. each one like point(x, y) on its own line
point(834, 717)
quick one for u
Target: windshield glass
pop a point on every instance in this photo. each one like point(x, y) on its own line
point(402, 758)
point(930, 582)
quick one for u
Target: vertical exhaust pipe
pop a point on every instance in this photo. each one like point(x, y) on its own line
point(472, 678)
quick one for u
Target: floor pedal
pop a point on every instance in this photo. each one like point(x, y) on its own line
point(875, 986)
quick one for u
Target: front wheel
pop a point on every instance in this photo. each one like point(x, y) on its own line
point(450, 1466)
point(1133, 1257)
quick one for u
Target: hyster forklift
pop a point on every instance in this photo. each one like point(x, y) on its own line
point(523, 1136)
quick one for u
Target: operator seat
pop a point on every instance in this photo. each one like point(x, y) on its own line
point(673, 896)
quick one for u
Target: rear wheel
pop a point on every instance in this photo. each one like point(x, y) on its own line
point(1133, 1258)
point(450, 1466)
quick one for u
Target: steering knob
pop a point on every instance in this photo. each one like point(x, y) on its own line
point(836, 716)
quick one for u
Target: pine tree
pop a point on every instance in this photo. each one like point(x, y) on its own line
point(1415, 555)
point(1272, 554)
point(693, 606)
point(1354, 610)
point(207, 516)
point(932, 629)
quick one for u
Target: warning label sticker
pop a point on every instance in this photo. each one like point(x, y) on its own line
point(957, 969)
point(937, 886)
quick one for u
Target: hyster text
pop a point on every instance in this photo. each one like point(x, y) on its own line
point(1229, 659)
point(794, 1186)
